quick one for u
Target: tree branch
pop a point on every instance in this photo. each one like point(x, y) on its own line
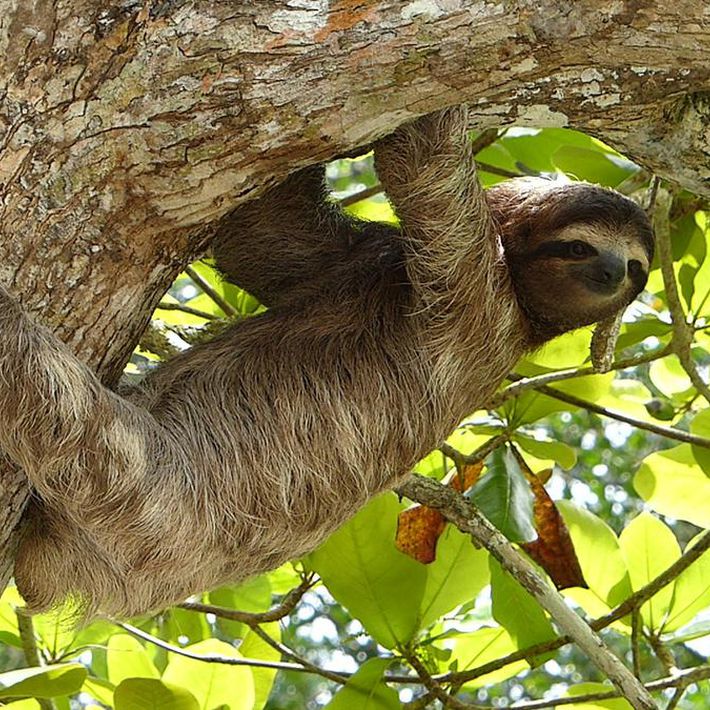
point(458, 511)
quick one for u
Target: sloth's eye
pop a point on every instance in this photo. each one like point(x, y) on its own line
point(579, 249)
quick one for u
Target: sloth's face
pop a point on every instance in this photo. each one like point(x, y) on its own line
point(577, 253)
point(582, 274)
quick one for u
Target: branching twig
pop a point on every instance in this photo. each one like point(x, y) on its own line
point(683, 331)
point(211, 657)
point(468, 519)
point(284, 608)
point(164, 306)
point(528, 383)
point(680, 680)
point(668, 432)
point(228, 309)
point(434, 688)
point(29, 648)
point(635, 601)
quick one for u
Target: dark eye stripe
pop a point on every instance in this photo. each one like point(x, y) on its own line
point(560, 250)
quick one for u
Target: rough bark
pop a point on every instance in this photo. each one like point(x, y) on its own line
point(127, 130)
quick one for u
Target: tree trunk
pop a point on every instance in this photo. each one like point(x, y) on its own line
point(127, 130)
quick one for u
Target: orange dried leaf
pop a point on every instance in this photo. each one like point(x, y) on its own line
point(469, 475)
point(418, 530)
point(553, 549)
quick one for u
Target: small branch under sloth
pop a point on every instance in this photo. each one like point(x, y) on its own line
point(469, 520)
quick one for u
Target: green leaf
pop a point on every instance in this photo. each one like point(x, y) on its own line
point(212, 684)
point(550, 450)
point(701, 426)
point(588, 689)
point(99, 689)
point(672, 483)
point(254, 646)
point(668, 375)
point(459, 573)
point(127, 658)
point(649, 546)
point(593, 166)
point(42, 682)
point(253, 596)
point(479, 647)
point(365, 572)
point(516, 611)
point(504, 497)
point(598, 552)
point(691, 591)
point(152, 694)
point(366, 690)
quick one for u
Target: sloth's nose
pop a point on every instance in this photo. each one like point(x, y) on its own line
point(611, 270)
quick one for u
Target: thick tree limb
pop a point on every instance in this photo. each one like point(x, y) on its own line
point(128, 130)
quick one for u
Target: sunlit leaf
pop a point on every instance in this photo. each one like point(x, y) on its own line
point(691, 592)
point(253, 646)
point(598, 553)
point(458, 575)
point(153, 694)
point(212, 684)
point(591, 688)
point(649, 547)
point(515, 610)
point(366, 691)
point(475, 649)
point(363, 570)
point(673, 484)
point(42, 682)
point(127, 658)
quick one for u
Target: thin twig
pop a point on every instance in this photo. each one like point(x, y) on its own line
point(164, 306)
point(683, 331)
point(448, 701)
point(284, 608)
point(635, 601)
point(469, 520)
point(476, 456)
point(360, 195)
point(682, 679)
point(636, 625)
point(228, 309)
point(210, 657)
point(668, 432)
point(31, 651)
point(528, 383)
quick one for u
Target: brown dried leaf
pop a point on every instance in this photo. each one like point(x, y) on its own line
point(553, 549)
point(419, 528)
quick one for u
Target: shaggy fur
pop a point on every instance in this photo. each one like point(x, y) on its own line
point(249, 450)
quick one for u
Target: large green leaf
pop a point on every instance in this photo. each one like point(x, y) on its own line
point(673, 484)
point(516, 611)
point(366, 691)
point(253, 646)
point(598, 552)
point(546, 449)
point(504, 497)
point(365, 572)
point(254, 596)
point(212, 684)
point(691, 592)
point(152, 694)
point(127, 658)
point(649, 547)
point(479, 647)
point(42, 682)
point(459, 573)
point(589, 689)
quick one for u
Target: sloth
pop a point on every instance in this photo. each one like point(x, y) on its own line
point(247, 451)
